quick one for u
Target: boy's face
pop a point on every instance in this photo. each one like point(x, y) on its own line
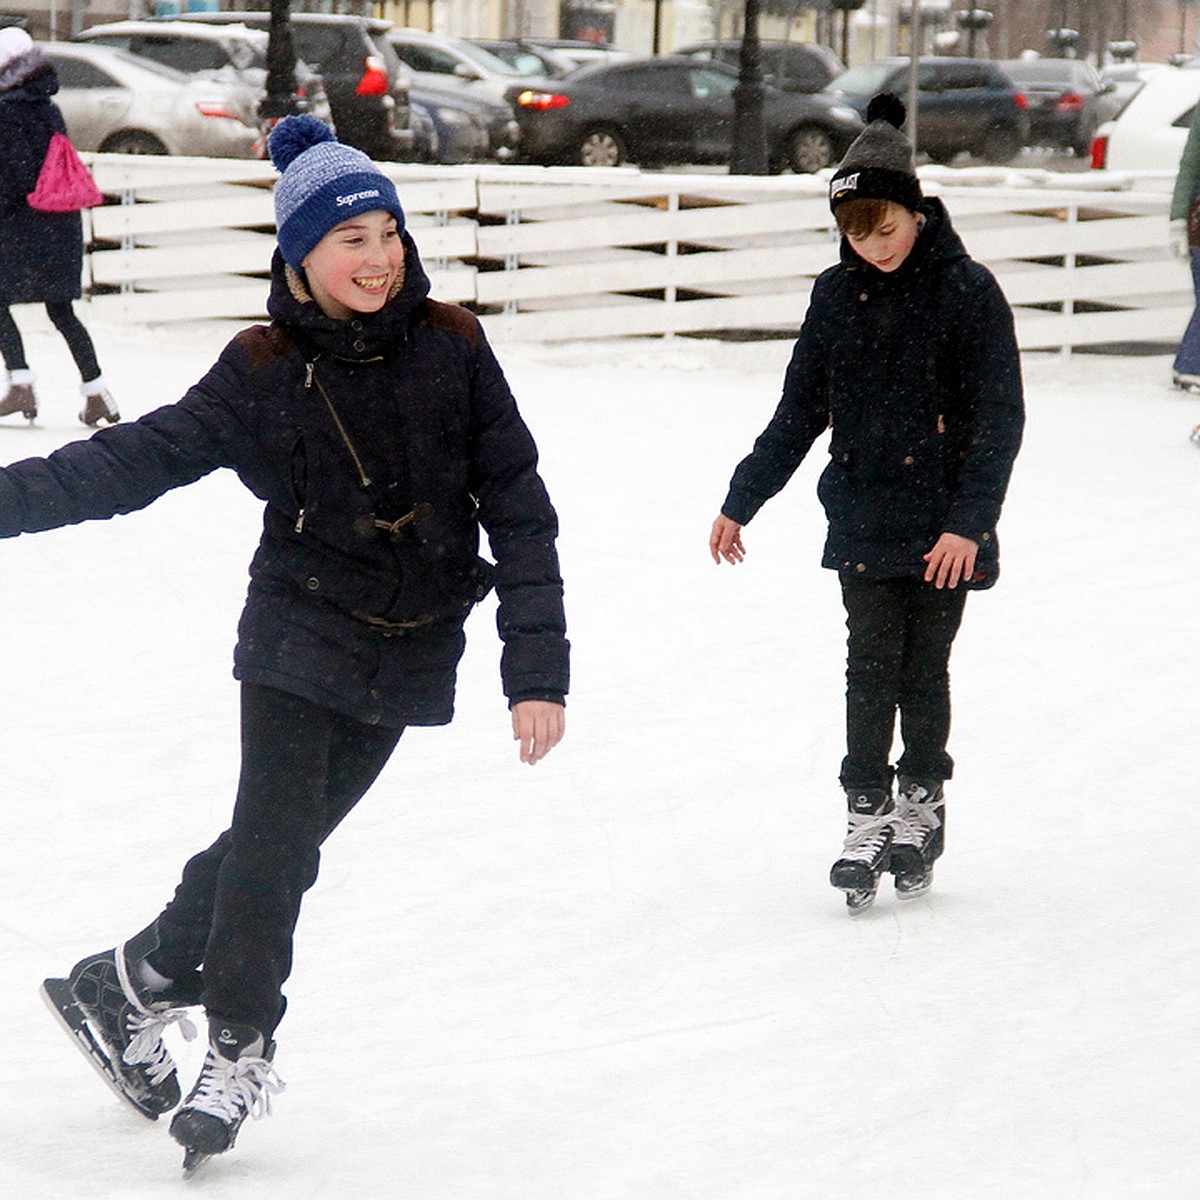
point(890, 242)
point(355, 266)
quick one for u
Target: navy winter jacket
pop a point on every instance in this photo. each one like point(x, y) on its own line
point(379, 445)
point(41, 254)
point(916, 373)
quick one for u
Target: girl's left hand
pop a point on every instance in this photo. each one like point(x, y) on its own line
point(952, 559)
point(539, 726)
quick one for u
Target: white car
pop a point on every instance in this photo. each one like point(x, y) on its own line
point(448, 62)
point(1149, 133)
point(116, 103)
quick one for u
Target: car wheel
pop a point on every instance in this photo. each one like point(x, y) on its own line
point(131, 141)
point(999, 145)
point(809, 150)
point(601, 148)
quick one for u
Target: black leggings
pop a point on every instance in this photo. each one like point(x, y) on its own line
point(304, 768)
point(78, 340)
point(898, 658)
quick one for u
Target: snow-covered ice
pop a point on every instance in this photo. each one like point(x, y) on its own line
point(623, 975)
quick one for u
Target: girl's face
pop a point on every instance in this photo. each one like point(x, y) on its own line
point(890, 242)
point(355, 266)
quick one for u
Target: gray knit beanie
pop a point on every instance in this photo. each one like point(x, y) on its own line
point(879, 164)
point(323, 184)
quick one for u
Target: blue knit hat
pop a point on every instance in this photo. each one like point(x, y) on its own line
point(323, 183)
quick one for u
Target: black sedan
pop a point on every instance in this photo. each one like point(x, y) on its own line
point(1067, 101)
point(656, 111)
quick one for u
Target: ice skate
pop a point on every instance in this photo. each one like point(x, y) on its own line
point(118, 1022)
point(866, 849)
point(1185, 382)
point(237, 1081)
point(20, 396)
point(98, 404)
point(919, 836)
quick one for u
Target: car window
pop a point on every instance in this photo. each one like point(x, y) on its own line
point(120, 41)
point(710, 85)
point(864, 80)
point(184, 54)
point(426, 58)
point(319, 45)
point(960, 77)
point(486, 59)
point(75, 73)
point(650, 79)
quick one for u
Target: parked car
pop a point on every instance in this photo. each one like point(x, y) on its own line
point(116, 103)
point(449, 62)
point(583, 53)
point(467, 128)
point(1150, 131)
point(1127, 79)
point(963, 104)
point(791, 66)
point(529, 58)
point(1066, 99)
point(671, 110)
point(366, 85)
point(234, 52)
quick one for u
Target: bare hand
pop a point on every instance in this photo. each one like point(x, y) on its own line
point(952, 559)
point(539, 726)
point(725, 541)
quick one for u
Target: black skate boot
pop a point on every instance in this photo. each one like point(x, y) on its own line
point(920, 835)
point(868, 842)
point(237, 1081)
point(118, 1021)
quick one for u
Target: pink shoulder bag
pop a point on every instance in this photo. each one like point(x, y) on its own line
point(64, 183)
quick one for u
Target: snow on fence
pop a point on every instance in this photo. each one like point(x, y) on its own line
point(573, 253)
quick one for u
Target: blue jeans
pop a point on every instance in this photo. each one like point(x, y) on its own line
point(1187, 360)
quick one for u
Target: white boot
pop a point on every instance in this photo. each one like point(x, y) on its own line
point(20, 396)
point(98, 404)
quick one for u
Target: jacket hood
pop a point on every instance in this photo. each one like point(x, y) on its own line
point(937, 241)
point(369, 334)
point(28, 73)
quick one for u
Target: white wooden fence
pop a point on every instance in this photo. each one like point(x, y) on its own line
point(570, 253)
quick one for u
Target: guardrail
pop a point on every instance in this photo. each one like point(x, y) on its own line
point(546, 254)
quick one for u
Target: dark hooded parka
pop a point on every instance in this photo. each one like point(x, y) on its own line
point(916, 373)
point(379, 445)
point(41, 254)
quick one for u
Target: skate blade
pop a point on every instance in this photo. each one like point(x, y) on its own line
point(61, 1001)
point(911, 887)
point(858, 900)
point(193, 1160)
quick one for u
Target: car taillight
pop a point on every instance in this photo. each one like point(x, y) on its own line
point(542, 101)
point(1021, 102)
point(374, 81)
point(1099, 151)
point(215, 108)
point(1069, 102)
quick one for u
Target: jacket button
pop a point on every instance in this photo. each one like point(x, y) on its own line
point(861, 567)
point(909, 460)
point(312, 583)
point(987, 537)
point(360, 345)
point(864, 295)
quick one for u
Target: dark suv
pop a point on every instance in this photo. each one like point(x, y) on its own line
point(1068, 101)
point(789, 66)
point(366, 83)
point(963, 104)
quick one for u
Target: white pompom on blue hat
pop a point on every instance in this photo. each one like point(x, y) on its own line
point(322, 183)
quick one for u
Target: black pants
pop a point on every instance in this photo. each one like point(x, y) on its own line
point(304, 768)
point(898, 658)
point(78, 340)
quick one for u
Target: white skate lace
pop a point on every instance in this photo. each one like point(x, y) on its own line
point(915, 819)
point(230, 1090)
point(867, 835)
point(146, 1048)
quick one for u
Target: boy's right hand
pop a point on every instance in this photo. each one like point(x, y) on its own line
point(725, 541)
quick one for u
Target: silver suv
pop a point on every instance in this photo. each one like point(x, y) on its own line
point(234, 53)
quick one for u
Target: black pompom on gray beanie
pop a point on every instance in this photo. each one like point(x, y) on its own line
point(879, 164)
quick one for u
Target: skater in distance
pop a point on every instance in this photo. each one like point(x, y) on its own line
point(42, 258)
point(377, 427)
point(907, 356)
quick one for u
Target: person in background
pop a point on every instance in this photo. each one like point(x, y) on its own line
point(908, 355)
point(41, 253)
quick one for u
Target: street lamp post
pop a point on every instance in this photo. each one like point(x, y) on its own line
point(749, 154)
point(280, 98)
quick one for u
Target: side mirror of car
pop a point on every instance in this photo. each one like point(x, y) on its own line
point(466, 71)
